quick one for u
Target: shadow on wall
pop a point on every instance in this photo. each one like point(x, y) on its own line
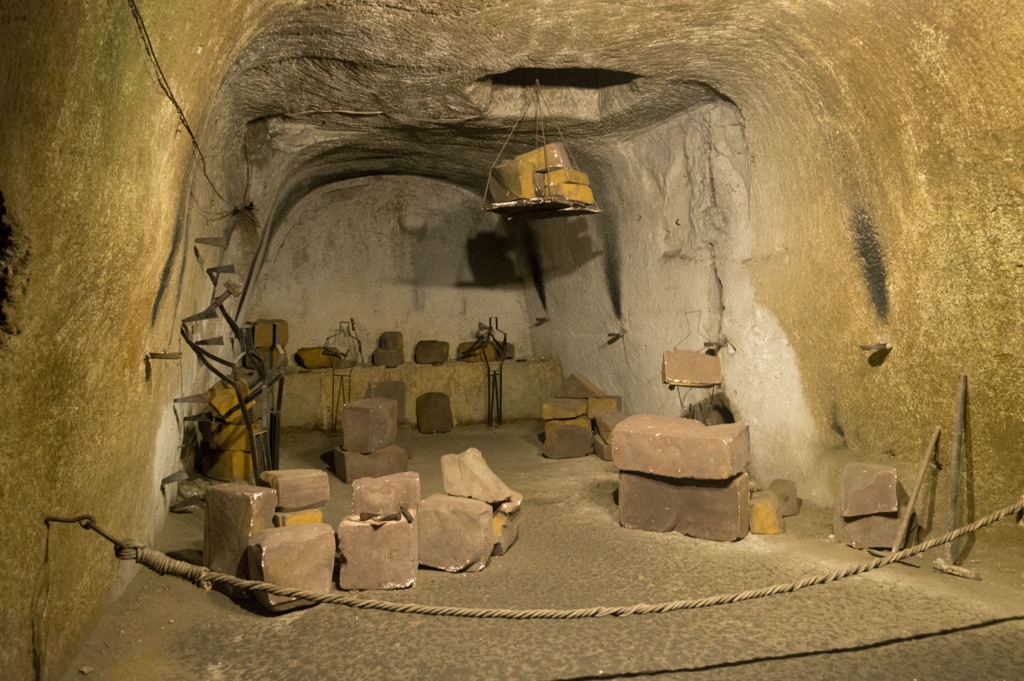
point(551, 248)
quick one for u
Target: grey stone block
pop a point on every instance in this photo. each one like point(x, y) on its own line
point(568, 438)
point(394, 390)
point(298, 557)
point(234, 513)
point(705, 509)
point(868, 489)
point(455, 534)
point(350, 466)
point(431, 352)
point(434, 413)
point(680, 448)
point(377, 555)
point(468, 475)
point(391, 340)
point(870, 531)
point(370, 424)
point(298, 488)
point(385, 357)
point(785, 490)
point(605, 423)
point(562, 408)
point(385, 495)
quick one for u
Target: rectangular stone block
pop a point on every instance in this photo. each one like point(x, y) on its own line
point(392, 340)
point(455, 534)
point(506, 531)
point(310, 516)
point(223, 400)
point(266, 333)
point(785, 490)
point(234, 513)
point(385, 495)
point(431, 352)
point(705, 509)
point(868, 489)
point(766, 513)
point(562, 408)
point(690, 368)
point(606, 404)
point(394, 390)
point(377, 555)
point(298, 488)
point(350, 466)
point(300, 557)
point(370, 424)
point(680, 448)
point(387, 357)
point(605, 424)
point(567, 439)
point(869, 531)
point(580, 387)
point(434, 413)
point(602, 449)
point(317, 357)
point(232, 465)
point(468, 475)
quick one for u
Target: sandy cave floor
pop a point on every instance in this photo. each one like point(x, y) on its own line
point(898, 622)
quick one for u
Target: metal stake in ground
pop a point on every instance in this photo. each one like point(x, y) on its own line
point(948, 564)
point(901, 534)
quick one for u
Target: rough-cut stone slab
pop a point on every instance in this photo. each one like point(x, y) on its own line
point(506, 531)
point(766, 513)
point(567, 439)
point(234, 513)
point(868, 489)
point(468, 475)
point(377, 555)
point(232, 465)
point(871, 531)
point(602, 449)
point(394, 390)
point(350, 466)
point(384, 357)
point(385, 495)
point(299, 557)
point(455, 534)
point(391, 340)
point(298, 488)
point(309, 516)
point(706, 509)
point(785, 490)
point(579, 386)
point(680, 448)
point(605, 424)
point(690, 368)
point(431, 352)
point(434, 413)
point(562, 408)
point(369, 425)
point(607, 404)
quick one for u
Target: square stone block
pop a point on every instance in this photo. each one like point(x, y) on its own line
point(605, 423)
point(455, 534)
point(266, 333)
point(385, 495)
point(350, 466)
point(394, 390)
point(569, 438)
point(468, 475)
point(867, 489)
point(785, 490)
point(370, 424)
point(298, 488)
point(310, 516)
point(391, 340)
point(869, 531)
point(384, 357)
point(234, 513)
point(705, 509)
point(562, 408)
point(377, 555)
point(766, 513)
point(690, 368)
point(675, 447)
point(299, 557)
point(579, 386)
point(431, 352)
point(607, 404)
point(434, 413)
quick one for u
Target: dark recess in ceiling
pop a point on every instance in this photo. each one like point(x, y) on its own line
point(577, 77)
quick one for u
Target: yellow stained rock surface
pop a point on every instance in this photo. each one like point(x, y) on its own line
point(230, 465)
point(308, 516)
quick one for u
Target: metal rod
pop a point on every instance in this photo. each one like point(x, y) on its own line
point(955, 464)
point(901, 533)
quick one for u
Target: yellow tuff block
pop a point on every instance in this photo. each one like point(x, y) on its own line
point(266, 333)
point(223, 399)
point(498, 525)
point(231, 436)
point(765, 514)
point(271, 356)
point(310, 516)
point(559, 176)
point(573, 192)
point(549, 157)
point(231, 465)
point(512, 180)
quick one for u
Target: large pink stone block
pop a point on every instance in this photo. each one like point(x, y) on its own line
point(675, 447)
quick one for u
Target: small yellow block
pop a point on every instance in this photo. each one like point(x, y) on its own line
point(573, 192)
point(559, 176)
point(766, 514)
point(548, 157)
point(606, 404)
point(512, 180)
point(498, 525)
point(266, 333)
point(310, 516)
point(230, 465)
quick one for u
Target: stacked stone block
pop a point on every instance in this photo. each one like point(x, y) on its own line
point(369, 429)
point(395, 390)
point(226, 453)
point(679, 475)
point(234, 513)
point(302, 494)
point(872, 503)
point(570, 419)
point(390, 351)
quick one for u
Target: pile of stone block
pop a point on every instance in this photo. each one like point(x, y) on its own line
point(479, 516)
point(571, 418)
point(378, 543)
point(390, 351)
point(226, 453)
point(872, 503)
point(368, 450)
point(241, 538)
point(678, 475)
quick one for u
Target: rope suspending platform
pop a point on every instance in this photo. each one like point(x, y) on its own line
point(163, 564)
